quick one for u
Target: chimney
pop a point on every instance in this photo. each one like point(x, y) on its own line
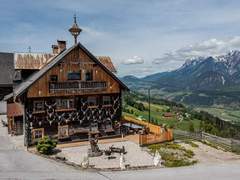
point(54, 49)
point(61, 45)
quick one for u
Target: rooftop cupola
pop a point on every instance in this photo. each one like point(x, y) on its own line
point(75, 30)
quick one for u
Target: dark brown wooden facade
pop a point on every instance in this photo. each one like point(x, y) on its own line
point(76, 97)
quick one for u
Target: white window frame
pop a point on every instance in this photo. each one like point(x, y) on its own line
point(67, 103)
point(36, 133)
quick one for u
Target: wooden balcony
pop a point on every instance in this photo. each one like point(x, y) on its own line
point(77, 86)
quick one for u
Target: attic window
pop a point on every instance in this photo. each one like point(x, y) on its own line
point(89, 75)
point(74, 76)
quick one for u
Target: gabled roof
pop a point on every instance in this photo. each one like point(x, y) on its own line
point(6, 69)
point(31, 60)
point(103, 67)
point(21, 88)
point(106, 61)
point(8, 96)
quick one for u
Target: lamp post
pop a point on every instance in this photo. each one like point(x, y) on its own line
point(149, 105)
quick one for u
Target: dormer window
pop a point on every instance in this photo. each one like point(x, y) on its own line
point(89, 75)
point(74, 76)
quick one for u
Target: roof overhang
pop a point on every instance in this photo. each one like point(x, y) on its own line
point(21, 88)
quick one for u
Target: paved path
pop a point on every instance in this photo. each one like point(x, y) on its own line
point(228, 171)
point(19, 164)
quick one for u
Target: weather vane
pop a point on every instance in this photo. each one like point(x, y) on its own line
point(75, 30)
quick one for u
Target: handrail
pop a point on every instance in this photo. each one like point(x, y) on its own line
point(77, 85)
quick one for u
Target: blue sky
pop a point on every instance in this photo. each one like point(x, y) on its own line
point(141, 36)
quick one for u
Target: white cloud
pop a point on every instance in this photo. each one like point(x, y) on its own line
point(134, 60)
point(165, 59)
point(211, 47)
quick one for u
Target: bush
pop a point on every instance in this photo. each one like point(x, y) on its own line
point(46, 145)
point(210, 128)
point(191, 143)
point(191, 127)
point(168, 110)
point(174, 155)
point(210, 144)
point(179, 162)
point(139, 106)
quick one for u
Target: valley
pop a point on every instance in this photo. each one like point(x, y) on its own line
point(174, 115)
point(222, 106)
point(210, 84)
point(225, 113)
point(162, 114)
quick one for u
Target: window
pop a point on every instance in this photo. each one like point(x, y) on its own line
point(89, 75)
point(38, 133)
point(65, 103)
point(63, 132)
point(107, 100)
point(17, 75)
point(92, 101)
point(53, 78)
point(74, 76)
point(38, 106)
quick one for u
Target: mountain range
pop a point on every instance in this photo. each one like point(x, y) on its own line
point(202, 80)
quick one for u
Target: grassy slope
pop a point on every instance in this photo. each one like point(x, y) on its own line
point(157, 112)
point(224, 113)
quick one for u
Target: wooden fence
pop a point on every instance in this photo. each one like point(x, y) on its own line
point(157, 133)
point(227, 143)
point(155, 129)
point(146, 139)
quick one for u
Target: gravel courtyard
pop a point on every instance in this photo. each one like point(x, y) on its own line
point(135, 156)
point(209, 155)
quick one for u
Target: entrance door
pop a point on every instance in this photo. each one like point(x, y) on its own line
point(19, 125)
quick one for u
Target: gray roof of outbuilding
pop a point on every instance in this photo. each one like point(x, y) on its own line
point(21, 88)
point(6, 69)
point(8, 96)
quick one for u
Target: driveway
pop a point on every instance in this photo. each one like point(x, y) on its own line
point(229, 171)
point(16, 163)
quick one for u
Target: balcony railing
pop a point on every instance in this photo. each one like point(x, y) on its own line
point(77, 86)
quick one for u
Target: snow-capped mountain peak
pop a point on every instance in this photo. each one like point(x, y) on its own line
point(231, 60)
point(192, 62)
